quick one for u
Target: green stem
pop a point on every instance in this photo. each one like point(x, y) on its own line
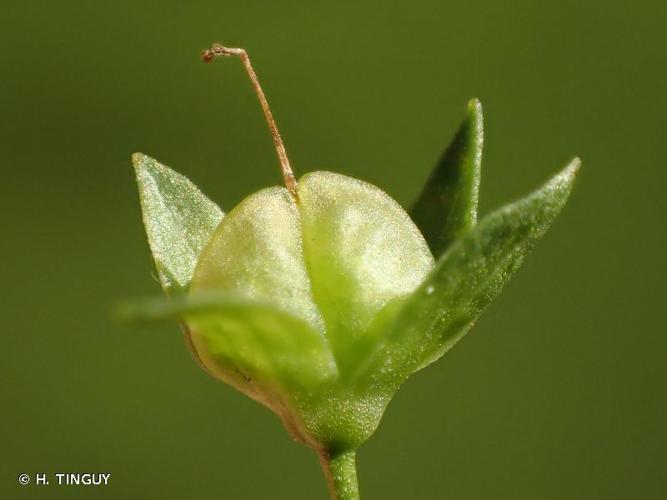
point(341, 472)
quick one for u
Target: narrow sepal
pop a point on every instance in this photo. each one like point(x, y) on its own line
point(467, 278)
point(270, 347)
point(447, 205)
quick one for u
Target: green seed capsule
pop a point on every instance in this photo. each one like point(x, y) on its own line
point(320, 298)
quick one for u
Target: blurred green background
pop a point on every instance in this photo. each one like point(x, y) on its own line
point(559, 391)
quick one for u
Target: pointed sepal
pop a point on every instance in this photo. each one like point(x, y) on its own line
point(178, 217)
point(467, 278)
point(447, 205)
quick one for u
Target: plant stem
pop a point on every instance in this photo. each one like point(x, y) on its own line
point(341, 472)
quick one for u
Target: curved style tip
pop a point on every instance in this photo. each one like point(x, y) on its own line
point(207, 55)
point(217, 50)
